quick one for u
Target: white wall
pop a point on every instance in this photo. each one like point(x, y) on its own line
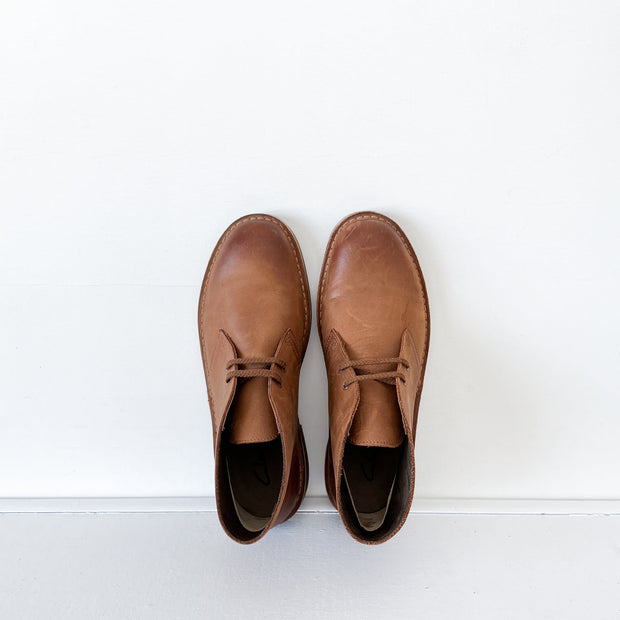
point(132, 133)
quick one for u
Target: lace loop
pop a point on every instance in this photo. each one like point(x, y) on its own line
point(249, 373)
point(388, 377)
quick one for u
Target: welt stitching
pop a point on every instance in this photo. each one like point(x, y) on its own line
point(291, 243)
point(288, 237)
point(402, 238)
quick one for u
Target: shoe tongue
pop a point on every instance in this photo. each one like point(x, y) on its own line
point(251, 417)
point(377, 421)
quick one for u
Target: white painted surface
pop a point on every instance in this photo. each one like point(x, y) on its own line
point(131, 134)
point(182, 566)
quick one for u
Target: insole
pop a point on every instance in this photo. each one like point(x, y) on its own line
point(370, 473)
point(255, 477)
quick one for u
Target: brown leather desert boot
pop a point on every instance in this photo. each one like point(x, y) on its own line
point(374, 324)
point(254, 321)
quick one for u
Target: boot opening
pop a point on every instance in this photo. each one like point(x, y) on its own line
point(255, 473)
point(370, 474)
point(375, 490)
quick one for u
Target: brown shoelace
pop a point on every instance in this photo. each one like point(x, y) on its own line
point(257, 371)
point(389, 377)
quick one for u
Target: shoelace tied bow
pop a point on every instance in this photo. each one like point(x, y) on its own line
point(258, 368)
point(389, 377)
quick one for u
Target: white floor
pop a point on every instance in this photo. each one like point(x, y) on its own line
point(179, 565)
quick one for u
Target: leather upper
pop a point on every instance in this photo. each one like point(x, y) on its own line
point(254, 303)
point(372, 303)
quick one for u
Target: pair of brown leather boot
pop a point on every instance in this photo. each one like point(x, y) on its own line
point(254, 322)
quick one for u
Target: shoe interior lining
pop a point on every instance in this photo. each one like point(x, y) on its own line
point(370, 473)
point(254, 473)
point(374, 489)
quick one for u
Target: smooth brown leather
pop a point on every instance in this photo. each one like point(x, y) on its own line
point(255, 303)
point(372, 303)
